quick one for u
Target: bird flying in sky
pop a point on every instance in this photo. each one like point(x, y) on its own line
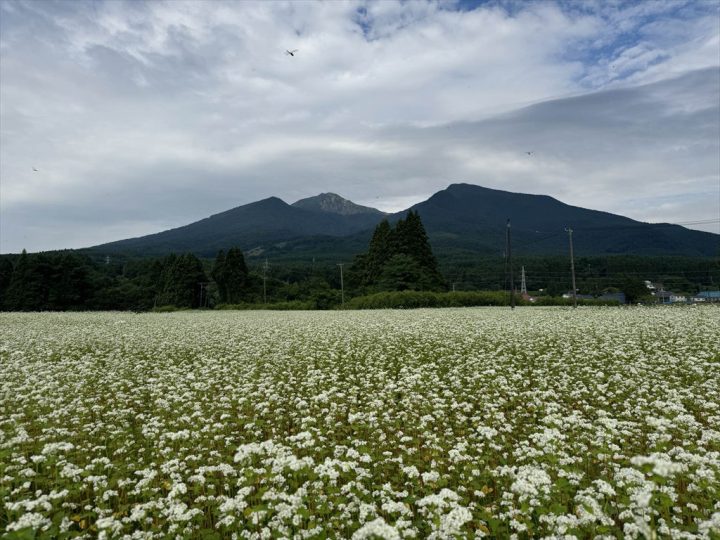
point(530, 153)
point(34, 169)
point(291, 53)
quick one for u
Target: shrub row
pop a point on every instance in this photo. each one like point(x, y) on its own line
point(424, 299)
point(414, 299)
point(280, 306)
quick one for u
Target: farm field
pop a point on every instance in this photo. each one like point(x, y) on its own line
point(542, 422)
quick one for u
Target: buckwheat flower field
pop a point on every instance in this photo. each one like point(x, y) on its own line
point(542, 422)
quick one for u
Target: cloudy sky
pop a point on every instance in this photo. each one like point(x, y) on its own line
point(144, 116)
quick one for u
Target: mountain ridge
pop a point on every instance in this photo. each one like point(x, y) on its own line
point(462, 217)
point(533, 218)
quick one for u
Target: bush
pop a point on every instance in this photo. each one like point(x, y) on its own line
point(560, 301)
point(417, 299)
point(280, 306)
point(426, 299)
point(168, 309)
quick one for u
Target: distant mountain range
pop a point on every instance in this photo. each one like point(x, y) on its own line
point(461, 219)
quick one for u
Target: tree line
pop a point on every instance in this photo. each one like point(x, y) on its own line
point(398, 258)
point(68, 280)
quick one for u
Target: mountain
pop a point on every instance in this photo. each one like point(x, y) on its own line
point(253, 227)
point(335, 204)
point(470, 217)
point(462, 219)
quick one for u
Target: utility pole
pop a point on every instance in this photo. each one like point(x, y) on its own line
point(509, 256)
point(523, 286)
point(572, 268)
point(265, 268)
point(342, 286)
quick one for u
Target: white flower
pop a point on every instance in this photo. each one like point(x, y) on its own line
point(32, 520)
point(376, 529)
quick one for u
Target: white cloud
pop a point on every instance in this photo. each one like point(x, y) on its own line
point(169, 111)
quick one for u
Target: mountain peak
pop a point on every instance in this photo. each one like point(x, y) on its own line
point(333, 203)
point(272, 200)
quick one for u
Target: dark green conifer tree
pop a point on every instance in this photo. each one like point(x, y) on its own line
point(25, 291)
point(218, 274)
point(236, 275)
point(166, 281)
point(401, 273)
point(6, 271)
point(231, 275)
point(415, 242)
point(182, 275)
point(405, 244)
point(378, 253)
point(69, 284)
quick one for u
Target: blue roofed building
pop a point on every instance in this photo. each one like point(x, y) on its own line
point(707, 296)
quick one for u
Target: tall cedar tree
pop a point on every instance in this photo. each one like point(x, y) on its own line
point(407, 244)
point(231, 275)
point(181, 278)
point(413, 241)
point(69, 286)
point(218, 274)
point(378, 253)
point(402, 273)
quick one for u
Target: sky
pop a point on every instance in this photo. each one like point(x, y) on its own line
point(120, 119)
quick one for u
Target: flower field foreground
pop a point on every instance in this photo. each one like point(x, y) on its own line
point(542, 422)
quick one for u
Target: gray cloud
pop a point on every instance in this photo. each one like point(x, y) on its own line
point(141, 117)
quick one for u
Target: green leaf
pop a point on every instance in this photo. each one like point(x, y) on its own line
point(23, 534)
